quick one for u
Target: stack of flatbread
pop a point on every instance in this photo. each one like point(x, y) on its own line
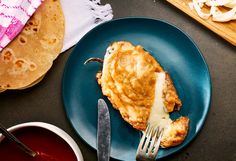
point(26, 60)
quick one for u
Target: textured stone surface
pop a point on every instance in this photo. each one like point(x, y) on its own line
point(216, 140)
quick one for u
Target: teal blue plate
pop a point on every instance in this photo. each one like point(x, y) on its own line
point(173, 49)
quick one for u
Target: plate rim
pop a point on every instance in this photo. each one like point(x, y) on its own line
point(205, 116)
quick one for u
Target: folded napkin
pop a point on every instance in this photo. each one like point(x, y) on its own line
point(13, 16)
point(81, 16)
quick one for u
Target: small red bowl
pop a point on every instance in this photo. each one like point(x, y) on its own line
point(44, 138)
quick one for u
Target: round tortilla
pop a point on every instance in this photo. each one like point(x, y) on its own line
point(31, 85)
point(2, 90)
point(34, 83)
point(30, 55)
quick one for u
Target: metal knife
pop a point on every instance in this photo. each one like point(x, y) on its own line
point(103, 132)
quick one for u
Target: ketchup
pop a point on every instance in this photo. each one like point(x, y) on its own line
point(48, 146)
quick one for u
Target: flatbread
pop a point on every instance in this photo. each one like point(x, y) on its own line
point(128, 79)
point(137, 86)
point(2, 90)
point(31, 85)
point(30, 55)
point(34, 83)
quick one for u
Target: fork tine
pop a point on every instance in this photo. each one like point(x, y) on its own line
point(157, 144)
point(149, 144)
point(154, 138)
point(143, 139)
point(148, 138)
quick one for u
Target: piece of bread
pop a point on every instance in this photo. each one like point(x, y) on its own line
point(26, 60)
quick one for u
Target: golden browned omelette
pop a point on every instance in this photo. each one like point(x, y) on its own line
point(25, 61)
point(142, 91)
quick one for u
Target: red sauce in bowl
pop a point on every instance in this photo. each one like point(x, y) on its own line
point(48, 145)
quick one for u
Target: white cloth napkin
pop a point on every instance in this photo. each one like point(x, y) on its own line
point(81, 16)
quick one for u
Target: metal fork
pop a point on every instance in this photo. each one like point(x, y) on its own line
point(149, 144)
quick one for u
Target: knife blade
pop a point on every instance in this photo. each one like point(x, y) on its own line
point(103, 132)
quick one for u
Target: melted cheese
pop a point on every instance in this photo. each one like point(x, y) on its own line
point(159, 117)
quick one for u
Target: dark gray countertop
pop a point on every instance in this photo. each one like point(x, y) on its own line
point(216, 141)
